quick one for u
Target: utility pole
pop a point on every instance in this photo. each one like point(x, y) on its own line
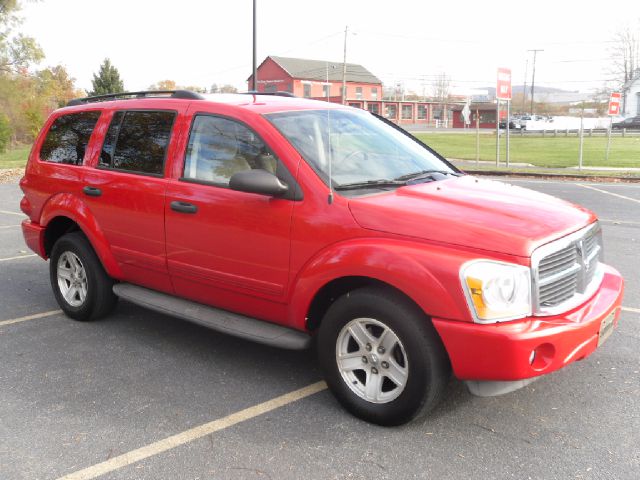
point(255, 71)
point(533, 77)
point(524, 90)
point(344, 68)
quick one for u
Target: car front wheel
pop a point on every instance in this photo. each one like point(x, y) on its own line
point(381, 356)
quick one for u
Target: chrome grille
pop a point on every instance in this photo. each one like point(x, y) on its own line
point(567, 270)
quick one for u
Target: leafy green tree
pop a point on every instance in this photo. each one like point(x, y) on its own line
point(5, 132)
point(17, 51)
point(107, 80)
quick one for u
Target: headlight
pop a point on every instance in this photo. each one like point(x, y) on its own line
point(496, 291)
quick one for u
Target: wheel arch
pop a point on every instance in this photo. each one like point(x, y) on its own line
point(65, 213)
point(425, 276)
point(341, 286)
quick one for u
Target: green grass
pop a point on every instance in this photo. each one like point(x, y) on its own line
point(16, 158)
point(552, 152)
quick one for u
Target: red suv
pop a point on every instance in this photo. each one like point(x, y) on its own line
point(286, 221)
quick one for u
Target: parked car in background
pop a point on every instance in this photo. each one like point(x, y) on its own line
point(530, 118)
point(513, 124)
point(631, 123)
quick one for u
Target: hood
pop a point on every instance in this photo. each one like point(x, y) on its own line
point(472, 212)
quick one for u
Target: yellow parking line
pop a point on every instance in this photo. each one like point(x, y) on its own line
point(12, 213)
point(192, 434)
point(30, 317)
point(17, 258)
point(608, 193)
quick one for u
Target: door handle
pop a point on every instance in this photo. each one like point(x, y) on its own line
point(183, 207)
point(92, 191)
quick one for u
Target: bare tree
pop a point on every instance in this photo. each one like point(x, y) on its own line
point(440, 88)
point(441, 91)
point(625, 53)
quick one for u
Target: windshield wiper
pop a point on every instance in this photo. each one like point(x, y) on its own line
point(370, 183)
point(425, 174)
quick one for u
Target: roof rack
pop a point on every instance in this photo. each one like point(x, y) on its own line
point(277, 94)
point(181, 94)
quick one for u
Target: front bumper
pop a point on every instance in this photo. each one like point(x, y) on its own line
point(532, 346)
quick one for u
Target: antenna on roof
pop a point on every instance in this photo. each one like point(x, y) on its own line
point(330, 199)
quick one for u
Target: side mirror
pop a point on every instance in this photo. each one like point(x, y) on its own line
point(258, 181)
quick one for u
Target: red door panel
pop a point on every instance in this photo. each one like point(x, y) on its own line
point(233, 252)
point(130, 212)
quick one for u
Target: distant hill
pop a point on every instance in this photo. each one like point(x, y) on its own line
point(548, 94)
point(520, 88)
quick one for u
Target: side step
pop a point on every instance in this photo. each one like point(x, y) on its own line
point(221, 320)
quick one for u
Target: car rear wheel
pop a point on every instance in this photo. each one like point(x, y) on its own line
point(381, 356)
point(80, 284)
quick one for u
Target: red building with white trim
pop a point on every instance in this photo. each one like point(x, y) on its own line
point(322, 80)
point(316, 79)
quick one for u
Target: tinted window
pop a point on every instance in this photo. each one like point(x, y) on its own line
point(67, 139)
point(137, 141)
point(219, 148)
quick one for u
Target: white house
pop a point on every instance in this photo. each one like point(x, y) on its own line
point(631, 96)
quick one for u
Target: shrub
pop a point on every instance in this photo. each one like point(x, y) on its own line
point(5, 132)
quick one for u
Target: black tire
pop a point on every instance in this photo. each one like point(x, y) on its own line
point(99, 299)
point(428, 368)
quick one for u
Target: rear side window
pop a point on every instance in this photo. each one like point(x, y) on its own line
point(137, 141)
point(67, 139)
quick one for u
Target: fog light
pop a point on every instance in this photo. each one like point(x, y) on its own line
point(542, 356)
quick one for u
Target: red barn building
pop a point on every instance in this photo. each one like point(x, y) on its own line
point(322, 80)
point(316, 79)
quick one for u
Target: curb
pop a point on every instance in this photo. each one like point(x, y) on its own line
point(553, 176)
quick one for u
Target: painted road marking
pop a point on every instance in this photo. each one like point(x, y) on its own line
point(8, 226)
point(616, 222)
point(193, 434)
point(608, 193)
point(632, 310)
point(12, 213)
point(30, 317)
point(18, 257)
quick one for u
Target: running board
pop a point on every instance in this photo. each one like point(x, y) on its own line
point(220, 320)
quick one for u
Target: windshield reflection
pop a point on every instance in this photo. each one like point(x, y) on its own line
point(359, 147)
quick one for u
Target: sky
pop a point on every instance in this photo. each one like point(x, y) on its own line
point(401, 41)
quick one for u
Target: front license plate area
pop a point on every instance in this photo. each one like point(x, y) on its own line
point(606, 327)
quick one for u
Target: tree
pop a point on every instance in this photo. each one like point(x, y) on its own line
point(228, 89)
point(442, 94)
point(107, 80)
point(625, 53)
point(55, 87)
point(17, 51)
point(441, 88)
point(164, 85)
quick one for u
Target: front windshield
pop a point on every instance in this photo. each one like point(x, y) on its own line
point(359, 147)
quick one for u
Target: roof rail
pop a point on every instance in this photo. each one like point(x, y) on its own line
point(277, 94)
point(182, 94)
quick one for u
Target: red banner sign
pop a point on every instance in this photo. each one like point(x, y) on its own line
point(614, 103)
point(503, 86)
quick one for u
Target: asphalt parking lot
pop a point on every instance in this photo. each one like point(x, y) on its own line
point(139, 395)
